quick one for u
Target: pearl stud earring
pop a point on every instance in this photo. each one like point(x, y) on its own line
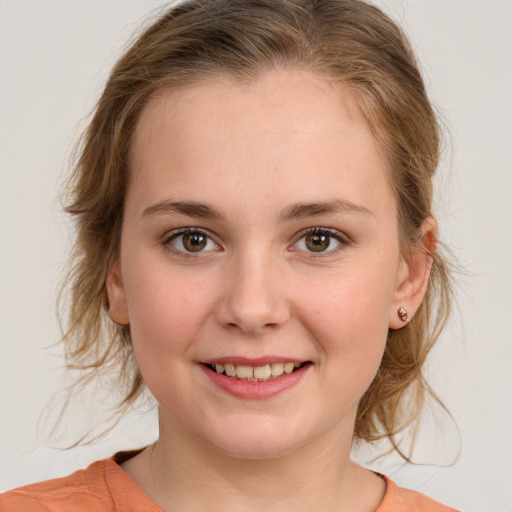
point(402, 314)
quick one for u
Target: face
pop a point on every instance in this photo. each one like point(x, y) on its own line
point(259, 266)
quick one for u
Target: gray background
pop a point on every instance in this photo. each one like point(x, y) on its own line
point(54, 58)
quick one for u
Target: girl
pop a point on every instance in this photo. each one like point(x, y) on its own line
point(256, 247)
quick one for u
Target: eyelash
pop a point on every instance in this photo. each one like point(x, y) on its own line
point(330, 233)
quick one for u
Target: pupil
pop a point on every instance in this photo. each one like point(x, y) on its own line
point(317, 243)
point(194, 242)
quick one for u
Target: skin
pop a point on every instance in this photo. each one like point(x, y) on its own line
point(251, 153)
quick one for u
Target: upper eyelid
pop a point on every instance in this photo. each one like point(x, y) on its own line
point(183, 231)
point(336, 233)
point(176, 233)
point(320, 229)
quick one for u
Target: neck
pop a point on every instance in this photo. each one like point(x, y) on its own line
point(180, 472)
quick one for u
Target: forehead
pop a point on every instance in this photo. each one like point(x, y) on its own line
point(288, 127)
point(278, 101)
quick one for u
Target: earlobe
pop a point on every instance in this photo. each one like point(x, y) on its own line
point(414, 276)
point(116, 295)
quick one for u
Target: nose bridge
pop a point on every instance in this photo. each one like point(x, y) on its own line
point(254, 298)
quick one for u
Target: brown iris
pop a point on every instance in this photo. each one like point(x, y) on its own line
point(194, 242)
point(317, 242)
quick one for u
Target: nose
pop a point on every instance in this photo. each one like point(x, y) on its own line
point(254, 298)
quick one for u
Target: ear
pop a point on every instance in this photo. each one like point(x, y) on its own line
point(414, 274)
point(116, 295)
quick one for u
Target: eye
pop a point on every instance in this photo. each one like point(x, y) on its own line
point(320, 240)
point(191, 241)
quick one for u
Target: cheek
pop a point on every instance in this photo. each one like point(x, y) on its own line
point(348, 316)
point(166, 309)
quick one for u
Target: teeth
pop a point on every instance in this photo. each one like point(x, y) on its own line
point(262, 372)
point(244, 372)
point(277, 369)
point(288, 367)
point(230, 370)
point(257, 373)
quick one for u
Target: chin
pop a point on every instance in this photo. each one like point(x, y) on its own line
point(256, 445)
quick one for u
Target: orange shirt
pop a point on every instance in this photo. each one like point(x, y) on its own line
point(105, 487)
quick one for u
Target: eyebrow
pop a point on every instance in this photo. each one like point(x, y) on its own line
point(303, 210)
point(189, 208)
point(291, 212)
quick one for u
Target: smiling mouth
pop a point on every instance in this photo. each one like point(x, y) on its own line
point(263, 373)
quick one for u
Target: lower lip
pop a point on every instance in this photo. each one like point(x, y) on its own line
point(256, 389)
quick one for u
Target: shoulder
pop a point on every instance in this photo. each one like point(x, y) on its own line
point(103, 486)
point(399, 499)
point(84, 490)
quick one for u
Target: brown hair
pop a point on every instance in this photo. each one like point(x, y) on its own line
point(348, 42)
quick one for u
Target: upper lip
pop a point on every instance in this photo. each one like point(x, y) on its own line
point(259, 361)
